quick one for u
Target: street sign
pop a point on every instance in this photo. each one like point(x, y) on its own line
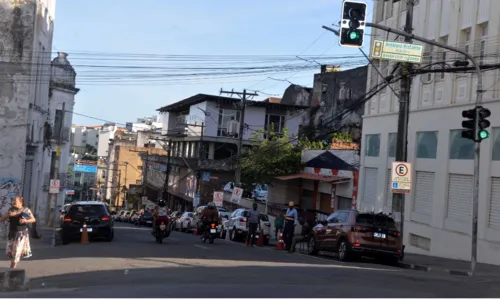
point(236, 196)
point(396, 51)
point(206, 176)
point(144, 200)
point(219, 198)
point(401, 178)
point(54, 186)
point(196, 200)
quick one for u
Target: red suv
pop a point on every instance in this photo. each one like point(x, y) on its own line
point(353, 234)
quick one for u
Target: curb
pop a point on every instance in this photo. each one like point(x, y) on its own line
point(414, 267)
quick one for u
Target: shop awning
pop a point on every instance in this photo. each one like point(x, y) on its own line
point(332, 179)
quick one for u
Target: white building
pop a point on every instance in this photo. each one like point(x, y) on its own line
point(438, 211)
point(152, 123)
point(106, 133)
point(83, 136)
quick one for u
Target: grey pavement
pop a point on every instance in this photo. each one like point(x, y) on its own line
point(135, 266)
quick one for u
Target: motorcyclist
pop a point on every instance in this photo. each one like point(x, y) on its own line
point(161, 211)
point(210, 215)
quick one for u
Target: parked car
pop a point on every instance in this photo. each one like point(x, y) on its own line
point(63, 212)
point(92, 213)
point(121, 215)
point(260, 192)
point(135, 218)
point(185, 222)
point(146, 219)
point(173, 219)
point(237, 229)
point(353, 234)
point(128, 217)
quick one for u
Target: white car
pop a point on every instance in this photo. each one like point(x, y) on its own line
point(260, 192)
point(236, 226)
point(185, 222)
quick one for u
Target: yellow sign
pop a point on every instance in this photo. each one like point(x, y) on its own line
point(396, 51)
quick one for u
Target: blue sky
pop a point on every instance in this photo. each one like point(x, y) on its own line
point(194, 27)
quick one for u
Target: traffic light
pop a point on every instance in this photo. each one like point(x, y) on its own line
point(469, 125)
point(352, 25)
point(475, 126)
point(483, 123)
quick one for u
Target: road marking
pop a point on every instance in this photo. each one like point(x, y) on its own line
point(202, 247)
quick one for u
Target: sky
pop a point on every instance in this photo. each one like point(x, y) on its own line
point(98, 36)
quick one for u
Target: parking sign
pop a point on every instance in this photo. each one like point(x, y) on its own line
point(237, 194)
point(219, 198)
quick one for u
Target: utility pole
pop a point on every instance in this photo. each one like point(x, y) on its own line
point(144, 172)
point(166, 194)
point(201, 152)
point(119, 183)
point(398, 200)
point(243, 95)
point(124, 202)
point(53, 197)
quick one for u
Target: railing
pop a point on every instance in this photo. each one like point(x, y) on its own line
point(220, 165)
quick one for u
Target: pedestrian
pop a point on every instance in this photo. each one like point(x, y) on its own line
point(18, 243)
point(291, 219)
point(278, 224)
point(304, 237)
point(253, 223)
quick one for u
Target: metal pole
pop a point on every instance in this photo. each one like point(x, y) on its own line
point(145, 175)
point(124, 202)
point(53, 197)
point(198, 171)
point(240, 138)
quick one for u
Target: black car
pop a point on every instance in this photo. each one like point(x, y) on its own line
point(146, 219)
point(92, 213)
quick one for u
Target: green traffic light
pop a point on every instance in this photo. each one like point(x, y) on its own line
point(353, 35)
point(484, 134)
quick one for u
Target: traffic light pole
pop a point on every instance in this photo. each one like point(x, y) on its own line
point(477, 145)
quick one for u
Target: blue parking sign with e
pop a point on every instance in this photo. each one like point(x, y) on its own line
point(394, 185)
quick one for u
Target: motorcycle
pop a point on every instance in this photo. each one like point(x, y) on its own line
point(210, 233)
point(162, 230)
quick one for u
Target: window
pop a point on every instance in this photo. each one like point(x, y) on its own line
point(496, 144)
point(460, 148)
point(443, 40)
point(482, 45)
point(403, 5)
point(379, 11)
point(275, 123)
point(392, 144)
point(465, 41)
point(372, 142)
point(343, 216)
point(58, 122)
point(427, 144)
point(226, 115)
point(333, 217)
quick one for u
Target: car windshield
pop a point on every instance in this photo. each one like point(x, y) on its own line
point(87, 210)
point(263, 187)
point(372, 219)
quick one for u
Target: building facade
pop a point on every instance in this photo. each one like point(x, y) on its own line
point(212, 148)
point(84, 139)
point(438, 211)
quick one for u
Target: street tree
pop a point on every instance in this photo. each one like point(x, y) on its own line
point(274, 154)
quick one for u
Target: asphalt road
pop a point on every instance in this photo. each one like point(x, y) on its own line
point(133, 265)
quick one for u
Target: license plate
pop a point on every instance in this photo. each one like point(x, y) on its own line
point(88, 229)
point(162, 227)
point(213, 230)
point(257, 236)
point(149, 222)
point(379, 235)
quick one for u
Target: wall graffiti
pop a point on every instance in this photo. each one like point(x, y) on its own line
point(9, 188)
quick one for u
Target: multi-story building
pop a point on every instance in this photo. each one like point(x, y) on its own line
point(218, 138)
point(145, 124)
point(84, 139)
point(439, 209)
point(106, 133)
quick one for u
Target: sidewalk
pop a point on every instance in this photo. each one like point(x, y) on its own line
point(430, 264)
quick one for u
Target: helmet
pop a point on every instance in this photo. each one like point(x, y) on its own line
point(161, 203)
point(211, 205)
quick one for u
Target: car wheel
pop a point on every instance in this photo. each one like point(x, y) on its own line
point(231, 235)
point(312, 248)
point(182, 228)
point(223, 235)
point(343, 250)
point(111, 236)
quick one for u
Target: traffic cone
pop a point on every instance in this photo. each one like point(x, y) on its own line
point(281, 244)
point(260, 241)
point(195, 231)
point(85, 235)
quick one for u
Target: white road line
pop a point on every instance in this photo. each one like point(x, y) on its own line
point(202, 247)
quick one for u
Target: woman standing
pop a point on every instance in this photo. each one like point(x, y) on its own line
point(18, 244)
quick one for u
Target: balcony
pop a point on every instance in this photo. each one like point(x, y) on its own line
point(213, 165)
point(64, 135)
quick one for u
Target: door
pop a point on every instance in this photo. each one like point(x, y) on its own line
point(328, 231)
point(337, 228)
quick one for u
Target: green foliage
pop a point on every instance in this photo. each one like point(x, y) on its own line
point(342, 137)
point(273, 154)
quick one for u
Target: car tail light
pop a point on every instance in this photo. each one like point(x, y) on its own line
point(243, 220)
point(105, 218)
point(356, 245)
point(267, 225)
point(213, 225)
point(162, 223)
point(188, 219)
point(67, 219)
point(395, 233)
point(358, 228)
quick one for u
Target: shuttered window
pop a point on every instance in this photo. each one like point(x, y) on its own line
point(494, 217)
point(424, 192)
point(388, 199)
point(370, 185)
point(459, 197)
